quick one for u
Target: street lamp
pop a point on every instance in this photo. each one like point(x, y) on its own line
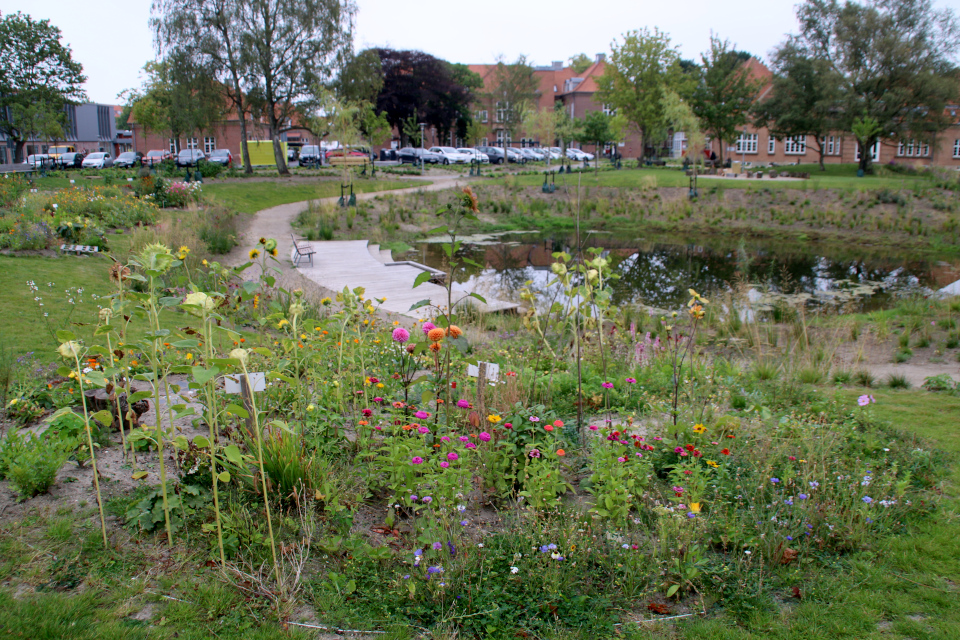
point(423, 125)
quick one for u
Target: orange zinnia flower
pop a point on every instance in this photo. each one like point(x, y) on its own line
point(561, 452)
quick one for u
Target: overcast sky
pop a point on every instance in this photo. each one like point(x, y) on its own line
point(112, 40)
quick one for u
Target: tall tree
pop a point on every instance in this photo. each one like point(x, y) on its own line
point(804, 97)
point(895, 61)
point(641, 69)
point(514, 85)
point(725, 91)
point(567, 129)
point(361, 77)
point(35, 69)
point(580, 63)
point(209, 30)
point(287, 47)
point(422, 88)
point(600, 129)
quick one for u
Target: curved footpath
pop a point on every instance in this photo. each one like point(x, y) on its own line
point(276, 222)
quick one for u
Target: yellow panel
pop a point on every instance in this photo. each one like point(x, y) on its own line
point(261, 152)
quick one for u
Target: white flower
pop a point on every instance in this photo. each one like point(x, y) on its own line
point(514, 570)
point(480, 545)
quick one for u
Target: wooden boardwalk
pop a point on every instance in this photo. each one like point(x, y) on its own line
point(352, 263)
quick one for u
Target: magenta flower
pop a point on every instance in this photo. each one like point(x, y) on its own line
point(484, 436)
point(621, 459)
point(423, 430)
point(463, 404)
point(470, 445)
point(400, 335)
point(417, 460)
point(535, 453)
point(464, 439)
point(378, 399)
point(534, 419)
point(593, 427)
point(452, 456)
point(422, 415)
point(427, 326)
point(445, 438)
point(678, 450)
point(631, 381)
point(444, 464)
point(607, 385)
point(367, 413)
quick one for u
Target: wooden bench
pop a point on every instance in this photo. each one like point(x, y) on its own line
point(301, 251)
point(77, 249)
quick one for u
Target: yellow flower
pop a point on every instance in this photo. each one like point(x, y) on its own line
point(310, 407)
point(254, 254)
point(494, 419)
point(282, 322)
point(189, 356)
point(182, 253)
point(13, 402)
point(204, 263)
point(326, 301)
point(699, 428)
point(713, 464)
point(379, 385)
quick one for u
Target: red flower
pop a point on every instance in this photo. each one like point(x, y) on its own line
point(689, 447)
point(697, 453)
point(725, 451)
point(792, 458)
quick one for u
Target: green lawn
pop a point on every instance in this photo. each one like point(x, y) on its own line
point(835, 177)
point(253, 196)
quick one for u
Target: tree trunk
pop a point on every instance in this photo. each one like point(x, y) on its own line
point(244, 147)
point(720, 157)
point(275, 138)
point(865, 159)
point(18, 151)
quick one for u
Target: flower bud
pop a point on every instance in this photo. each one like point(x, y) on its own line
point(69, 349)
point(240, 354)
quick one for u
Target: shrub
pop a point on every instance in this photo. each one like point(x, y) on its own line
point(864, 378)
point(942, 382)
point(31, 463)
point(842, 376)
point(12, 187)
point(895, 381)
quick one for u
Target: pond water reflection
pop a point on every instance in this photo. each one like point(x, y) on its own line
point(657, 271)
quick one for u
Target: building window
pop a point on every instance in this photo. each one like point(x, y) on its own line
point(483, 143)
point(913, 149)
point(831, 145)
point(771, 145)
point(874, 152)
point(503, 111)
point(503, 138)
point(747, 143)
point(174, 145)
point(956, 148)
point(209, 144)
point(192, 143)
point(482, 116)
point(795, 146)
point(608, 110)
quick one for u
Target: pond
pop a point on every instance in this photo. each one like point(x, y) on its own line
point(657, 271)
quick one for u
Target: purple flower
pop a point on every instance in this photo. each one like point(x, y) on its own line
point(452, 456)
point(453, 549)
point(421, 415)
point(788, 502)
point(406, 577)
point(631, 381)
point(414, 497)
point(691, 514)
point(534, 419)
point(433, 570)
point(437, 546)
point(427, 326)
point(427, 499)
point(444, 464)
point(470, 445)
point(814, 484)
point(400, 335)
point(789, 537)
point(607, 385)
point(417, 460)
point(535, 453)
point(484, 436)
point(544, 549)
point(463, 404)
point(867, 499)
point(864, 400)
point(463, 523)
point(423, 430)
point(802, 496)
point(417, 552)
point(774, 480)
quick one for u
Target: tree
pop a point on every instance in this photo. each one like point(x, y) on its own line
point(39, 121)
point(894, 61)
point(680, 117)
point(599, 129)
point(580, 63)
point(803, 100)
point(209, 31)
point(515, 85)
point(361, 78)
point(178, 97)
point(640, 70)
point(423, 88)
point(725, 91)
point(287, 47)
point(38, 76)
point(567, 129)
point(542, 124)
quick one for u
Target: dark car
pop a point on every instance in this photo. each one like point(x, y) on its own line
point(413, 155)
point(494, 153)
point(309, 156)
point(221, 156)
point(129, 159)
point(70, 160)
point(190, 157)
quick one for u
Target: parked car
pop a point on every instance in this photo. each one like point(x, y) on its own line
point(450, 155)
point(555, 153)
point(514, 155)
point(351, 157)
point(56, 152)
point(291, 154)
point(129, 159)
point(38, 160)
point(577, 154)
point(310, 156)
point(190, 157)
point(494, 153)
point(97, 160)
point(221, 156)
point(413, 155)
point(72, 160)
point(156, 156)
point(531, 155)
point(475, 154)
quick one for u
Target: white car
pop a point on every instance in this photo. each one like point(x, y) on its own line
point(514, 155)
point(98, 160)
point(451, 155)
point(577, 154)
point(537, 153)
point(475, 154)
point(555, 153)
point(37, 160)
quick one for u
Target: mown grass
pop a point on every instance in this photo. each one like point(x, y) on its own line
point(250, 197)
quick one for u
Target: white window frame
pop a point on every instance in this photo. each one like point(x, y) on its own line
point(193, 144)
point(874, 152)
point(483, 143)
point(503, 108)
point(608, 110)
point(174, 145)
point(482, 116)
point(209, 144)
point(771, 145)
point(831, 146)
point(795, 146)
point(503, 138)
point(956, 148)
point(747, 143)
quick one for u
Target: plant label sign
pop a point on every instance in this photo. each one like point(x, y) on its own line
point(231, 384)
point(493, 371)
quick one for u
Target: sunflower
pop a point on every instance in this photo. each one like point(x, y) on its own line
point(254, 254)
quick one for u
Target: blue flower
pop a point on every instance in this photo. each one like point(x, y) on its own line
point(789, 537)
point(789, 503)
point(552, 547)
point(774, 480)
point(867, 499)
point(544, 549)
point(691, 514)
point(418, 552)
point(802, 496)
point(464, 523)
point(437, 546)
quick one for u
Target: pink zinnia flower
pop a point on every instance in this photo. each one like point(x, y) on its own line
point(427, 326)
point(508, 425)
point(444, 464)
point(423, 430)
point(378, 399)
point(422, 415)
point(678, 450)
point(464, 439)
point(593, 427)
point(631, 381)
point(367, 413)
point(445, 439)
point(607, 385)
point(471, 445)
point(484, 436)
point(452, 456)
point(400, 335)
point(463, 404)
point(535, 453)
point(417, 460)
point(534, 419)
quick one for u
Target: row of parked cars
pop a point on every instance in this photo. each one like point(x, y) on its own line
point(495, 155)
point(71, 159)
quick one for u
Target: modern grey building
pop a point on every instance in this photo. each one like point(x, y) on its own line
point(90, 127)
